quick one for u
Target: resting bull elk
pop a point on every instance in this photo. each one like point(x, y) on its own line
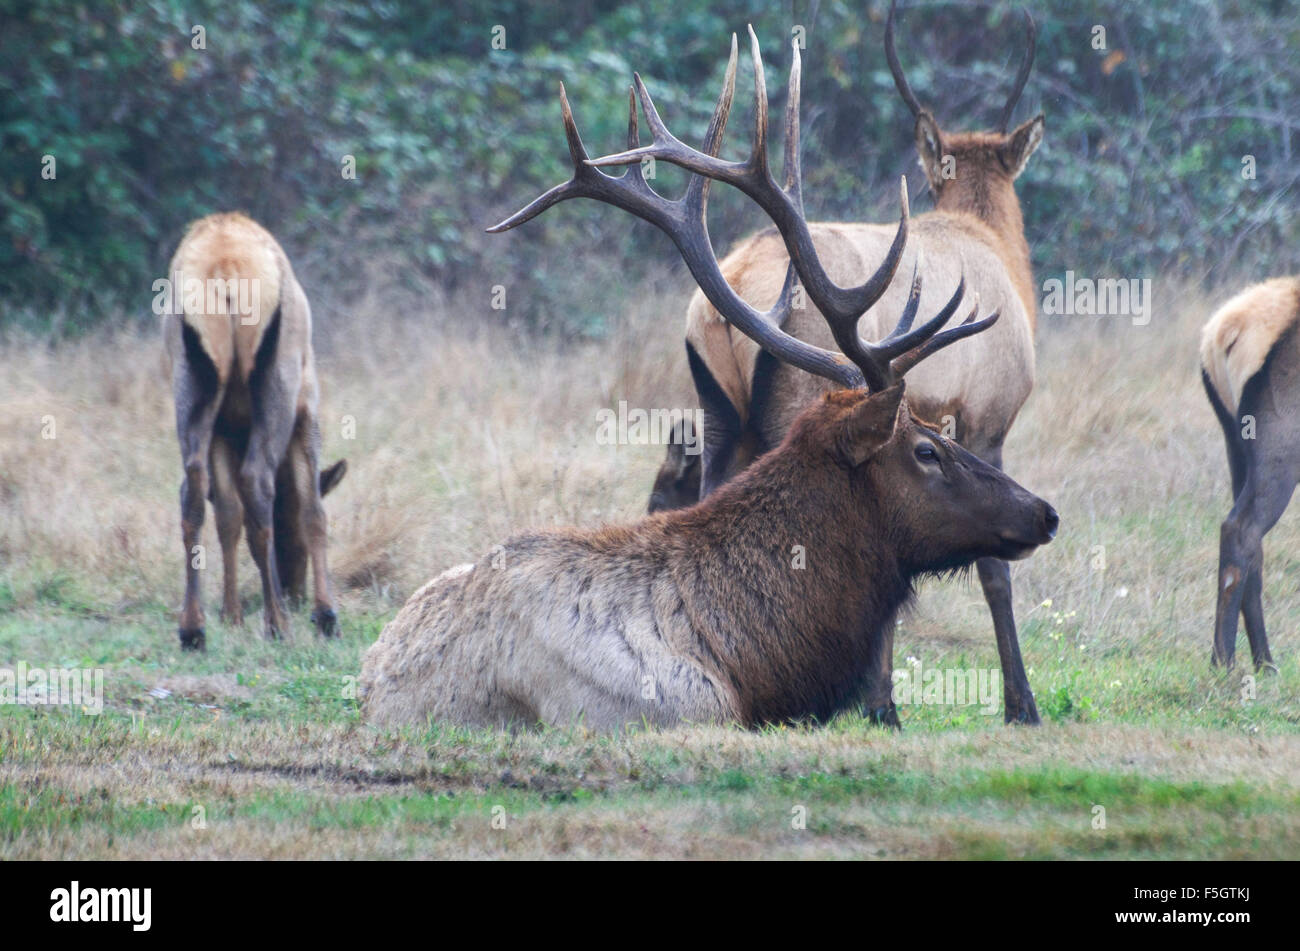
point(750, 399)
point(1250, 365)
point(244, 378)
point(709, 613)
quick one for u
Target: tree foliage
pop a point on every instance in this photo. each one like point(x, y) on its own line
point(1141, 172)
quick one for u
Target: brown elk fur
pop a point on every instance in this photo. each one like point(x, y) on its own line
point(976, 230)
point(244, 379)
point(988, 385)
point(703, 614)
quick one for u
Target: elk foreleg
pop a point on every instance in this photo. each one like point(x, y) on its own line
point(878, 706)
point(305, 458)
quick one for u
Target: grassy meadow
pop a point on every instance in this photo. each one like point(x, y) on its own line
point(464, 431)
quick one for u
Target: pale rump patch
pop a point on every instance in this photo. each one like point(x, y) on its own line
point(1240, 335)
point(229, 247)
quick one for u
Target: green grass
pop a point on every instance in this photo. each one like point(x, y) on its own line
point(258, 750)
point(263, 743)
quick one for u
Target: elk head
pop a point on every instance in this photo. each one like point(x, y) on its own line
point(973, 171)
point(939, 506)
point(677, 484)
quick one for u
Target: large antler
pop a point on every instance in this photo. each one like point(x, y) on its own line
point(685, 222)
point(909, 97)
point(1022, 77)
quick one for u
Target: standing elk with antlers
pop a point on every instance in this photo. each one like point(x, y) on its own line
point(699, 614)
point(750, 400)
point(1250, 365)
point(244, 378)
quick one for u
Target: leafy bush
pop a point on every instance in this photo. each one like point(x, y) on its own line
point(1141, 172)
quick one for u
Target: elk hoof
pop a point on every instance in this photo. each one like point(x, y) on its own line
point(326, 621)
point(1266, 667)
point(886, 716)
point(192, 639)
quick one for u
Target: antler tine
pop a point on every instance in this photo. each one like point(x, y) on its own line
point(1022, 77)
point(758, 157)
point(685, 221)
point(900, 340)
point(967, 328)
point(891, 54)
point(754, 179)
point(633, 134)
point(698, 187)
point(913, 300)
point(570, 189)
point(793, 164)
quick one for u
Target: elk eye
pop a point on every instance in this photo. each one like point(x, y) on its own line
point(925, 452)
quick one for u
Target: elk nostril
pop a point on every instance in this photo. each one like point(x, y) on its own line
point(1051, 521)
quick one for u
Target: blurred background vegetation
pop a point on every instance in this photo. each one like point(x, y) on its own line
point(1140, 173)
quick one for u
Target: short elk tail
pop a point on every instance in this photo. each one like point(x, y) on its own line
point(227, 274)
point(1237, 340)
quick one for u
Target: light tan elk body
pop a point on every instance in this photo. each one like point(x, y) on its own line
point(768, 601)
point(975, 391)
point(1250, 364)
point(244, 379)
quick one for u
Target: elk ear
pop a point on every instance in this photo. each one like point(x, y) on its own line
point(332, 476)
point(869, 425)
point(1021, 144)
point(929, 146)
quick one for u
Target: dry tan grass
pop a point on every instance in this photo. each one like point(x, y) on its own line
point(461, 438)
point(467, 430)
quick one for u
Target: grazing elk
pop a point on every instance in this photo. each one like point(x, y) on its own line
point(1250, 365)
point(750, 399)
point(677, 483)
point(772, 599)
point(244, 378)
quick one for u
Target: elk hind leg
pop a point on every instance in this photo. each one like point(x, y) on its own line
point(1241, 554)
point(198, 398)
point(230, 525)
point(268, 441)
